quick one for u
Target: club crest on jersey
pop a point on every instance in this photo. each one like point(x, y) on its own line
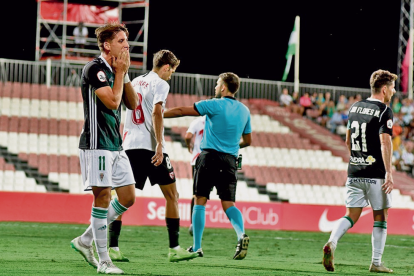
point(389, 123)
point(361, 161)
point(101, 76)
point(172, 175)
point(101, 176)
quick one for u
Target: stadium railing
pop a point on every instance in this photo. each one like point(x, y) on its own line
point(66, 74)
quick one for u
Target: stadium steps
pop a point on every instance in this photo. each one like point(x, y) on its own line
point(251, 182)
point(21, 165)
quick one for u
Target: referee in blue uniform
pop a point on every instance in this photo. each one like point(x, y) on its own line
point(227, 120)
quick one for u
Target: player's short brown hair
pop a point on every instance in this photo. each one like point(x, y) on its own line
point(108, 32)
point(231, 80)
point(380, 78)
point(164, 57)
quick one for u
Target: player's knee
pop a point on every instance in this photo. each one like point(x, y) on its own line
point(129, 201)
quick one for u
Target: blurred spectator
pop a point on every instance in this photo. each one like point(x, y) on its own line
point(350, 102)
point(336, 120)
point(320, 100)
point(314, 98)
point(306, 102)
point(396, 105)
point(357, 98)
point(80, 33)
point(327, 110)
point(295, 106)
point(341, 104)
point(407, 111)
point(285, 99)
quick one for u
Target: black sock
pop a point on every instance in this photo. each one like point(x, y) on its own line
point(192, 206)
point(114, 232)
point(173, 227)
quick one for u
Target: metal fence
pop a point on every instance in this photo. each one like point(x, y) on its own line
point(66, 74)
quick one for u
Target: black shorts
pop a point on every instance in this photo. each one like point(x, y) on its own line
point(142, 168)
point(215, 169)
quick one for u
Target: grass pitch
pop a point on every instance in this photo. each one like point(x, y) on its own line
point(44, 249)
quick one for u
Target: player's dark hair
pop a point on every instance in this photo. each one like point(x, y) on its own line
point(108, 32)
point(380, 78)
point(232, 81)
point(164, 57)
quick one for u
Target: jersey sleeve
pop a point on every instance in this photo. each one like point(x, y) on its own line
point(206, 107)
point(386, 122)
point(96, 77)
point(161, 92)
point(248, 127)
point(193, 126)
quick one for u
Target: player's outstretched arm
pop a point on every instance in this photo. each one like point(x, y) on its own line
point(180, 112)
point(386, 151)
point(246, 140)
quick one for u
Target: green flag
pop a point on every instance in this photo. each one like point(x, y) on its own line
point(290, 52)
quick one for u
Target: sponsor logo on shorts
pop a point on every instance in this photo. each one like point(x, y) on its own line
point(101, 175)
point(361, 161)
point(362, 180)
point(172, 175)
point(101, 76)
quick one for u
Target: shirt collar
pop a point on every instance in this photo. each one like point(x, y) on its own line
point(228, 97)
point(107, 64)
point(373, 100)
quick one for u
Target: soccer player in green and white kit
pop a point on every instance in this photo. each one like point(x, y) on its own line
point(104, 164)
point(370, 179)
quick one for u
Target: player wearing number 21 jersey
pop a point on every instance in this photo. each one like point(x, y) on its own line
point(370, 181)
point(145, 146)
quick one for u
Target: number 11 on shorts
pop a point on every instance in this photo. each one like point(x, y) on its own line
point(101, 163)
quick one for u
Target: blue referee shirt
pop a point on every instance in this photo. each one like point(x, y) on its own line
point(226, 121)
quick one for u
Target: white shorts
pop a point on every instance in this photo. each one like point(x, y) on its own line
point(363, 191)
point(104, 168)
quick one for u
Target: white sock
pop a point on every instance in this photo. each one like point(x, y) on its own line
point(100, 232)
point(115, 209)
point(340, 229)
point(115, 248)
point(379, 236)
point(177, 247)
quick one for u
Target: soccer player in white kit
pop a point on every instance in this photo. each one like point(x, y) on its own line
point(145, 146)
point(368, 138)
point(196, 130)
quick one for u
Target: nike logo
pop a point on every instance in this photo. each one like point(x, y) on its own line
point(326, 225)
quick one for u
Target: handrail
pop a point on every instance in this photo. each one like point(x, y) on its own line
point(181, 83)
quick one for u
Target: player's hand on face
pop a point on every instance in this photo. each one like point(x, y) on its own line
point(122, 62)
point(158, 157)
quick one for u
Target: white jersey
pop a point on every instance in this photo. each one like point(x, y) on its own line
point(197, 129)
point(138, 130)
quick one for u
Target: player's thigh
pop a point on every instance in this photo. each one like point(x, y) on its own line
point(204, 175)
point(163, 174)
point(122, 174)
point(227, 183)
point(140, 161)
point(378, 199)
point(356, 193)
point(96, 168)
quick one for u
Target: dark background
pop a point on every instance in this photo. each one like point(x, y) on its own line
point(342, 42)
